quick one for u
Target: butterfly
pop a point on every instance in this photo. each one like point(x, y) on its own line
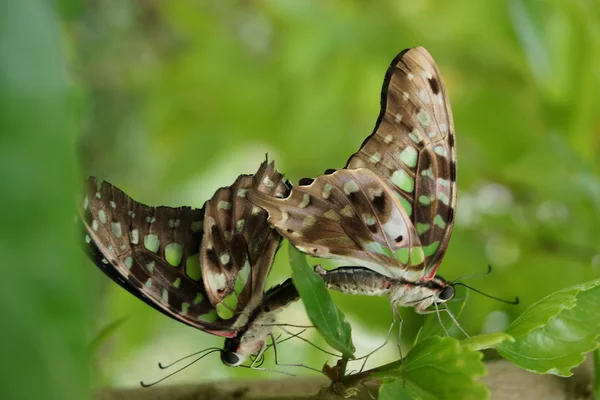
point(391, 209)
point(204, 267)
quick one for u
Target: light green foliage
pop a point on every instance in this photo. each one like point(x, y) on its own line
point(554, 334)
point(44, 288)
point(322, 311)
point(436, 368)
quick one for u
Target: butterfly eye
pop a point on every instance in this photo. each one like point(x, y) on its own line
point(229, 358)
point(446, 294)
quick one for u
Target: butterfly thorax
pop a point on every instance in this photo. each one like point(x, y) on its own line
point(421, 294)
point(251, 339)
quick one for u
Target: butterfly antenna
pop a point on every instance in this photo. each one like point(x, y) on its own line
point(147, 385)
point(290, 326)
point(514, 302)
point(165, 366)
point(309, 342)
point(489, 271)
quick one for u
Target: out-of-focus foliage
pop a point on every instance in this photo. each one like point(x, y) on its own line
point(43, 300)
point(554, 335)
point(180, 97)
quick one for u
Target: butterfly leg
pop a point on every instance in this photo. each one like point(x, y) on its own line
point(387, 339)
point(258, 356)
point(297, 336)
point(274, 344)
point(452, 317)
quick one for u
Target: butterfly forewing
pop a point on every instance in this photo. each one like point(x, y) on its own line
point(350, 215)
point(153, 252)
point(412, 147)
point(239, 246)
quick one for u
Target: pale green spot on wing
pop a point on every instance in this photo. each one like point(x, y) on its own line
point(430, 250)
point(440, 151)
point(439, 221)
point(305, 201)
point(150, 267)
point(174, 254)
point(331, 214)
point(424, 118)
point(196, 226)
point(428, 173)
point(102, 216)
point(402, 255)
point(409, 157)
point(210, 316)
point(405, 204)
point(401, 179)
point(422, 228)
point(185, 307)
point(226, 308)
point(424, 200)
point(151, 243)
point(309, 220)
point(417, 256)
point(239, 225)
point(165, 296)
point(116, 229)
point(350, 187)
point(377, 248)
point(199, 297)
point(134, 236)
point(177, 283)
point(224, 205)
point(242, 278)
point(192, 267)
point(443, 198)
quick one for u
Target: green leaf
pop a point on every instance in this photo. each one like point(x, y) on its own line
point(322, 311)
point(486, 341)
point(553, 335)
point(436, 368)
point(393, 391)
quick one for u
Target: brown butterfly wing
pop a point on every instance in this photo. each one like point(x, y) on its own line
point(412, 148)
point(351, 215)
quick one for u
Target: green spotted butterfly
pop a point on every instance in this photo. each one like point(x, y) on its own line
point(391, 209)
point(204, 267)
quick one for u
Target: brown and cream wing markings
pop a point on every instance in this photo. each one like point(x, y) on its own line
point(153, 252)
point(412, 148)
point(351, 215)
point(239, 246)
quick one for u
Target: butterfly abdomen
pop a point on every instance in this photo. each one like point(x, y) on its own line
point(356, 280)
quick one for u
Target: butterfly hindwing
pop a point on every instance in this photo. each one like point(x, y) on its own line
point(239, 246)
point(153, 252)
point(412, 148)
point(350, 215)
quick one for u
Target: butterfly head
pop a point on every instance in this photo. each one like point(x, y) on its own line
point(231, 355)
point(238, 349)
point(442, 290)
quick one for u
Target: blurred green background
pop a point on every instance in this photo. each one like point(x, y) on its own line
point(171, 100)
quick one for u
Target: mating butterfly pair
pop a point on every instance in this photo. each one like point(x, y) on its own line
point(390, 209)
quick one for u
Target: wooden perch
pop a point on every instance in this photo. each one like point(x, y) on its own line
point(505, 380)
